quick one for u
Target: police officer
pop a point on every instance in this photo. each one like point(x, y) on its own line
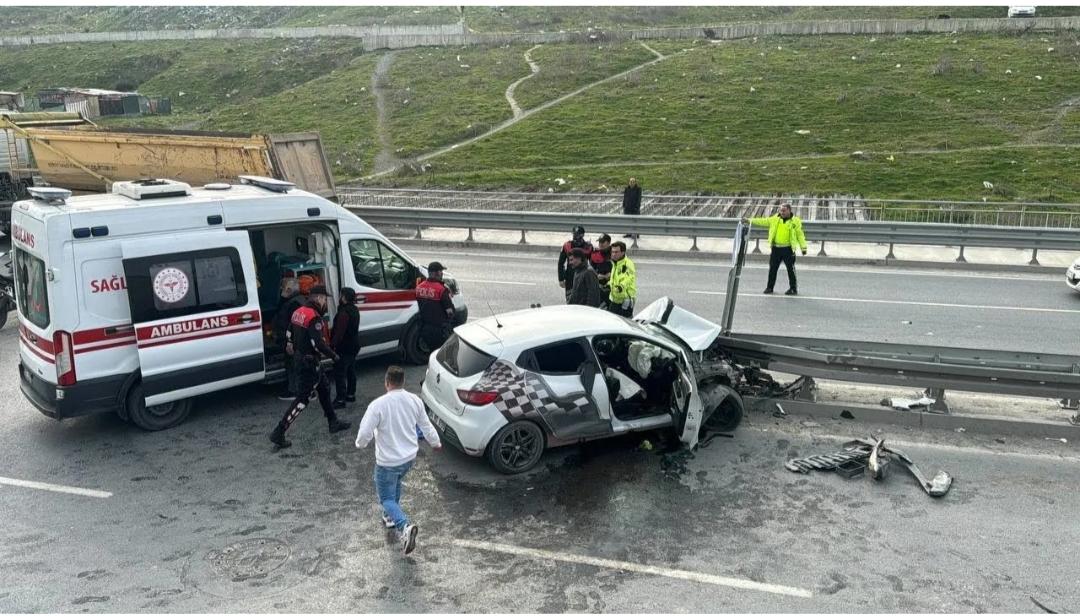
point(566, 273)
point(785, 233)
point(623, 282)
point(308, 345)
point(435, 302)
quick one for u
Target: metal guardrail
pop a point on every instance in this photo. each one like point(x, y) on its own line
point(691, 226)
point(833, 208)
point(998, 372)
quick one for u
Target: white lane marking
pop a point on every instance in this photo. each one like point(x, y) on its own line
point(950, 448)
point(904, 303)
point(678, 574)
point(1033, 277)
point(52, 487)
point(520, 284)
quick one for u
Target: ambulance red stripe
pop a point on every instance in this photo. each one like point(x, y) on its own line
point(34, 340)
point(380, 297)
point(36, 351)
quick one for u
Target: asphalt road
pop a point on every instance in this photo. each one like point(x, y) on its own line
point(1016, 312)
point(204, 517)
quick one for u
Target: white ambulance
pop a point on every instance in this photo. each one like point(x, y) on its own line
point(139, 300)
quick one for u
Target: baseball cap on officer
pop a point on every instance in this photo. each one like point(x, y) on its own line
point(435, 266)
point(579, 231)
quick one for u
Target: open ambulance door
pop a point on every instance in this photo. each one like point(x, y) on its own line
point(195, 309)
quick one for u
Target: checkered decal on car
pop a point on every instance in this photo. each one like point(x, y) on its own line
point(522, 392)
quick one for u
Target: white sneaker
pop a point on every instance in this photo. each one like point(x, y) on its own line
point(387, 521)
point(408, 538)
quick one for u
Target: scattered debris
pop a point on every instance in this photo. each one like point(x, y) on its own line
point(847, 415)
point(872, 454)
point(1062, 440)
point(1000, 440)
point(780, 412)
point(802, 131)
point(906, 322)
point(908, 404)
point(960, 430)
point(645, 445)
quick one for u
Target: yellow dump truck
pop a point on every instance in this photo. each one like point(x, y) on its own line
point(91, 158)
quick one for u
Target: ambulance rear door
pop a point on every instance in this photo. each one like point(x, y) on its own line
point(195, 308)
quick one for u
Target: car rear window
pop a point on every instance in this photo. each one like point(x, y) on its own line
point(31, 289)
point(461, 358)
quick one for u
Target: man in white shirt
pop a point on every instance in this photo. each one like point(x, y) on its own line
point(391, 420)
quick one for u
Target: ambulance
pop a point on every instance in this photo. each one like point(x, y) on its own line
point(139, 300)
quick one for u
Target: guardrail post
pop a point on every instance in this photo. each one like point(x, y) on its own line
point(821, 252)
point(939, 405)
point(470, 238)
point(634, 245)
point(1070, 404)
point(960, 258)
point(808, 390)
point(522, 240)
point(890, 255)
point(1034, 257)
point(694, 248)
point(757, 246)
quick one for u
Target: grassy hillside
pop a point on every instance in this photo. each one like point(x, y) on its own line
point(339, 105)
point(207, 73)
point(565, 68)
point(437, 96)
point(806, 97)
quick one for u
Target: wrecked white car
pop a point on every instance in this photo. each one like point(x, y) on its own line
point(510, 386)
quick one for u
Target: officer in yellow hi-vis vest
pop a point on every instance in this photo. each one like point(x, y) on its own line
point(785, 233)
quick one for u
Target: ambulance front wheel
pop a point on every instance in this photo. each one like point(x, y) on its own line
point(158, 416)
point(416, 351)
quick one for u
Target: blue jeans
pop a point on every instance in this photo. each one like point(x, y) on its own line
point(388, 488)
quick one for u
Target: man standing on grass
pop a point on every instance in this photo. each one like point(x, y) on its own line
point(785, 232)
point(391, 420)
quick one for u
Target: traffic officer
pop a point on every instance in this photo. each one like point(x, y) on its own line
point(785, 232)
point(307, 343)
point(436, 305)
point(623, 282)
point(566, 273)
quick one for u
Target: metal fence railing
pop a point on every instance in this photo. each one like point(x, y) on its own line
point(831, 208)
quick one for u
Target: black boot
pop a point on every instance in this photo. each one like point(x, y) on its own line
point(791, 291)
point(277, 437)
point(336, 425)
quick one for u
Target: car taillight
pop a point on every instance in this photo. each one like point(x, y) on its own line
point(477, 398)
point(65, 358)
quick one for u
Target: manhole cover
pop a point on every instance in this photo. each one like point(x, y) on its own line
point(248, 559)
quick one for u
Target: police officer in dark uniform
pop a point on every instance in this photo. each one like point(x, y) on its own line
point(308, 345)
point(566, 273)
point(435, 302)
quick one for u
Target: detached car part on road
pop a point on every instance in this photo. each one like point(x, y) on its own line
point(509, 386)
point(1072, 276)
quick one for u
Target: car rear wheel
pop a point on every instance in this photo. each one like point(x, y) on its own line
point(516, 448)
point(158, 416)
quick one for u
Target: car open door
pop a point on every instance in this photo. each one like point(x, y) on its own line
point(687, 409)
point(195, 309)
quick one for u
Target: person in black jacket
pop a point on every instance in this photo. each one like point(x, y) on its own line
point(308, 346)
point(345, 340)
point(631, 200)
point(566, 273)
point(586, 290)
